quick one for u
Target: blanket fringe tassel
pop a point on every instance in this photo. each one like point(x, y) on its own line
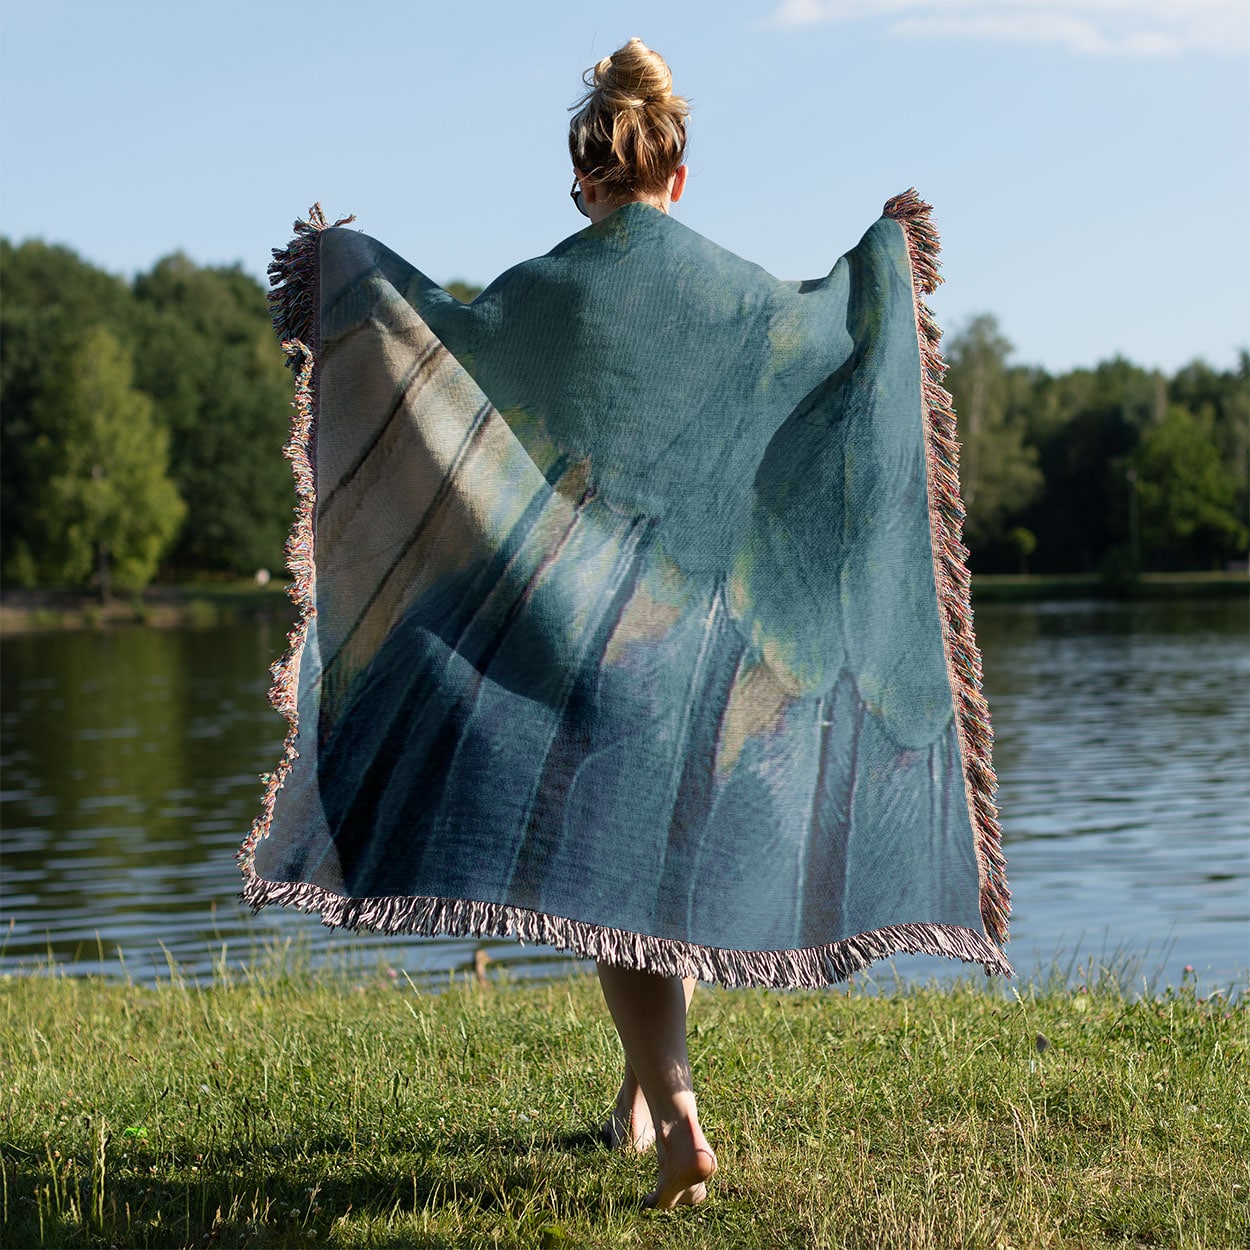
point(810, 968)
point(950, 556)
point(294, 301)
point(294, 305)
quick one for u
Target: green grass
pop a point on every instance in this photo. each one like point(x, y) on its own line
point(279, 1107)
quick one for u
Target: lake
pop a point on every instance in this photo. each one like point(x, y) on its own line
point(131, 761)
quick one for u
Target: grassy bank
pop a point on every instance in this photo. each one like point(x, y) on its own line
point(215, 603)
point(1000, 587)
point(282, 1109)
point(195, 603)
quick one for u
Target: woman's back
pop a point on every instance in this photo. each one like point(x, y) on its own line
point(639, 324)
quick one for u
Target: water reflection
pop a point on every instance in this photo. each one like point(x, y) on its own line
point(1123, 732)
point(131, 762)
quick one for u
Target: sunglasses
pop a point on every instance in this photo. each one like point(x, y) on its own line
point(576, 196)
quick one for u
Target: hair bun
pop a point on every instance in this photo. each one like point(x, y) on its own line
point(629, 131)
point(633, 76)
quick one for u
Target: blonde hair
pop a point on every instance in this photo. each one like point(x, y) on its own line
point(629, 132)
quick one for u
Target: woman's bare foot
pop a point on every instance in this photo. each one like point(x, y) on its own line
point(649, 1011)
point(686, 1165)
point(629, 1127)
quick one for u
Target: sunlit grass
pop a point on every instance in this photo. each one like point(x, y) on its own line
point(281, 1107)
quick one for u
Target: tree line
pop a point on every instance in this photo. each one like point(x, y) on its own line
point(140, 426)
point(1114, 470)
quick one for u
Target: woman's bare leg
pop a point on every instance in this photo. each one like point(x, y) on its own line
point(650, 1015)
point(629, 1126)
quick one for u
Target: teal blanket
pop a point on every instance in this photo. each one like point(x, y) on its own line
point(634, 614)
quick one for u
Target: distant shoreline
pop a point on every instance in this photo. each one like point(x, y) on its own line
point(162, 606)
point(207, 604)
point(1008, 587)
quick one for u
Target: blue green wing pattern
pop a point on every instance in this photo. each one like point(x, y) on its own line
point(628, 632)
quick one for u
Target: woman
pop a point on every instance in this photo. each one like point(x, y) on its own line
point(628, 141)
point(635, 615)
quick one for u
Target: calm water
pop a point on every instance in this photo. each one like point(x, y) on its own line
point(131, 759)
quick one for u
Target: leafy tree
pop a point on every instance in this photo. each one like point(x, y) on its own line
point(997, 467)
point(39, 275)
point(208, 357)
point(105, 506)
point(1223, 399)
point(465, 292)
point(51, 297)
point(1023, 543)
point(204, 352)
point(1087, 423)
point(1187, 492)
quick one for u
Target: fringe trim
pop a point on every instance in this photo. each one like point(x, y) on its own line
point(950, 559)
point(294, 303)
point(295, 300)
point(811, 968)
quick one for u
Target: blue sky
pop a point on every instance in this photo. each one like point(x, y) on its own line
point(1087, 159)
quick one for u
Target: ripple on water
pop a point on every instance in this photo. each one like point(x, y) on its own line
point(1121, 734)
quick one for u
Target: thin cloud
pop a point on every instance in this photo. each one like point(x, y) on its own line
point(1135, 28)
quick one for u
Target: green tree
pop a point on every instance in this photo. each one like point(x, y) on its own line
point(106, 509)
point(1024, 543)
point(1086, 424)
point(51, 297)
point(1187, 493)
point(208, 357)
point(997, 466)
point(1223, 399)
point(465, 292)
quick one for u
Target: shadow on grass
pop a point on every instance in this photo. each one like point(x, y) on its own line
point(287, 1195)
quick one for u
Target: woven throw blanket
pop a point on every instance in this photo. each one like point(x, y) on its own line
point(634, 615)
